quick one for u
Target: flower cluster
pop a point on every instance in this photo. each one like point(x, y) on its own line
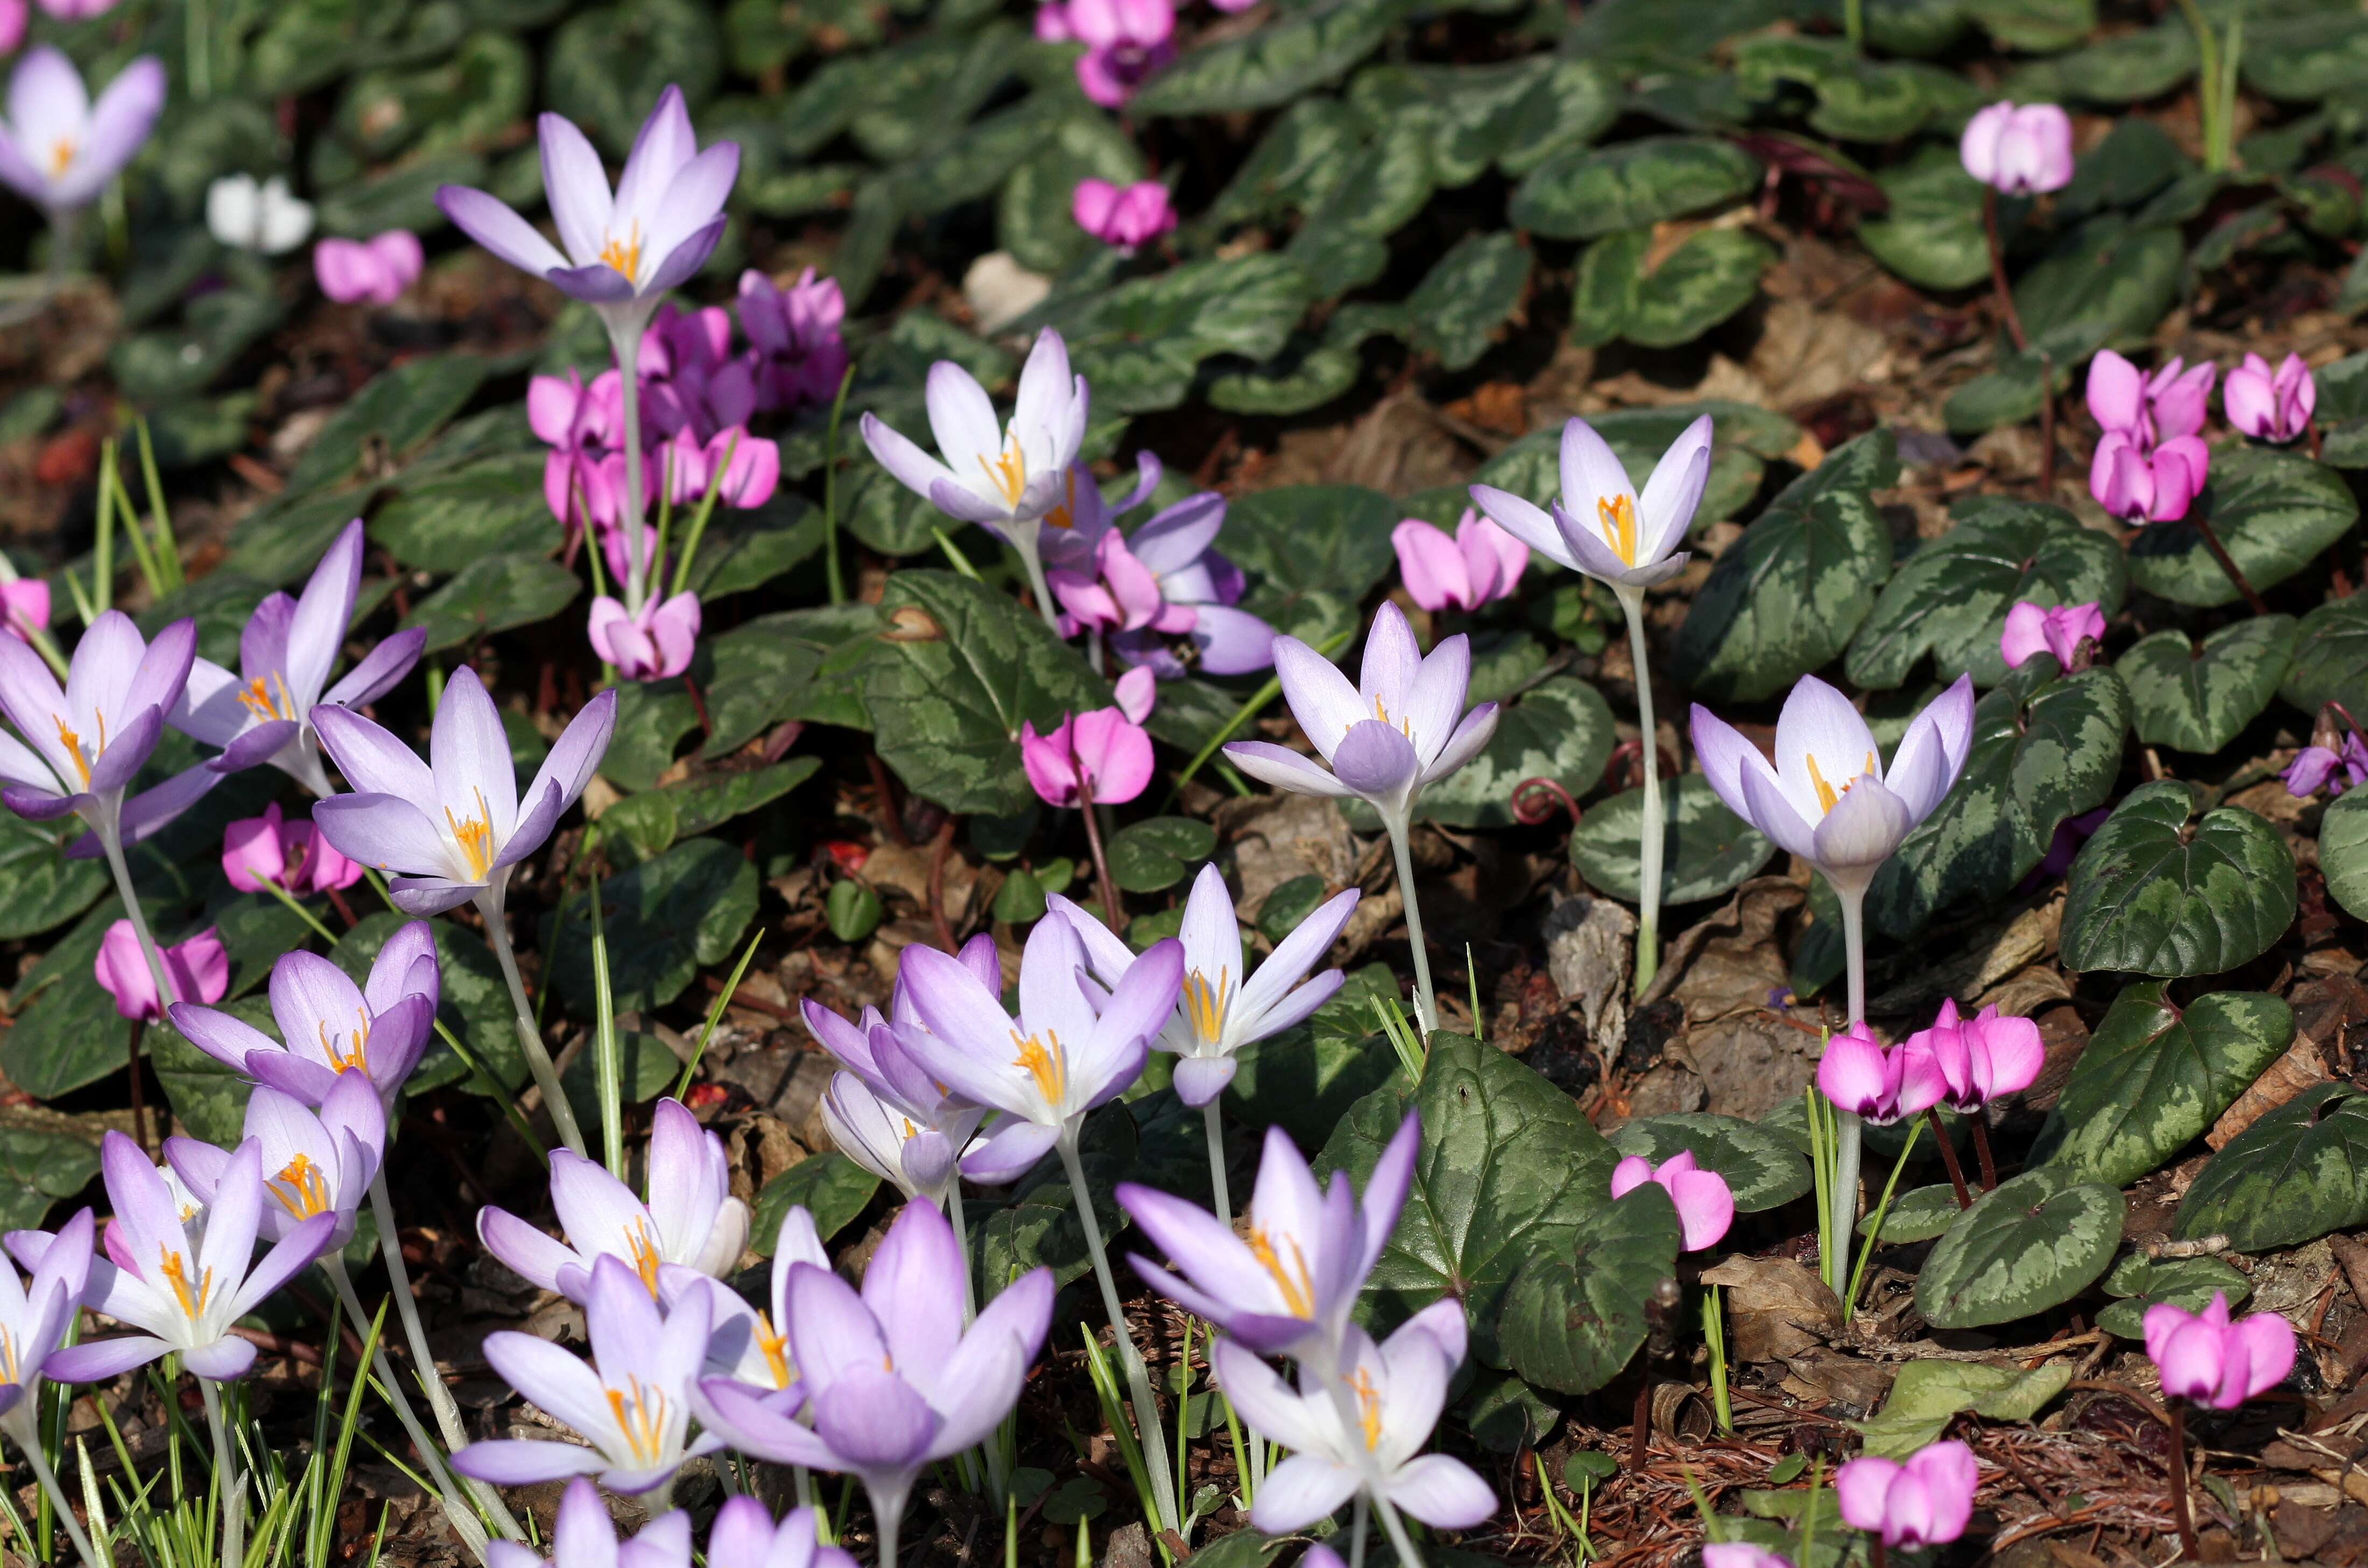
point(2023, 150)
point(2150, 464)
point(1962, 1062)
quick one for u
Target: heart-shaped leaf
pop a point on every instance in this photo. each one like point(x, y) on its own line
point(661, 920)
point(39, 1164)
point(1580, 194)
point(395, 412)
point(2199, 698)
point(1576, 1313)
point(1763, 1170)
point(1708, 277)
point(2343, 850)
point(1273, 64)
point(608, 64)
point(1157, 854)
point(1951, 597)
point(2187, 1283)
point(2330, 657)
point(2037, 1242)
point(1142, 342)
point(494, 593)
point(2154, 1077)
point(40, 888)
point(1467, 295)
point(2274, 511)
point(2044, 748)
point(1931, 231)
point(2297, 1173)
point(1706, 849)
point(1313, 550)
point(830, 1187)
point(1916, 1215)
point(2127, 69)
point(1785, 597)
point(1509, 1167)
point(2158, 891)
point(1561, 728)
point(453, 520)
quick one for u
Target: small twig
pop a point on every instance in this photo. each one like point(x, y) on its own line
point(345, 911)
point(278, 1345)
point(2005, 293)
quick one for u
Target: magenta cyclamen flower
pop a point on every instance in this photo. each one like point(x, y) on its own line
point(24, 607)
point(1287, 1286)
point(197, 966)
point(889, 1377)
point(1166, 581)
point(793, 333)
point(183, 1296)
point(2033, 629)
point(1706, 1204)
point(745, 1536)
point(1981, 1058)
point(332, 1028)
point(1878, 1085)
point(623, 252)
point(2270, 405)
point(1102, 755)
point(312, 1165)
point(1125, 216)
point(650, 646)
point(2019, 150)
point(630, 1404)
point(2207, 1360)
point(1126, 41)
point(58, 150)
point(1482, 562)
point(583, 1536)
point(2171, 403)
point(1926, 1502)
point(374, 271)
point(285, 852)
point(467, 849)
point(268, 712)
point(691, 1218)
point(2316, 767)
point(1741, 1554)
point(2141, 487)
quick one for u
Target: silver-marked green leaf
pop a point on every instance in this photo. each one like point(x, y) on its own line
point(2187, 1283)
point(1916, 1215)
point(1706, 279)
point(1762, 1169)
point(1311, 553)
point(829, 1185)
point(1706, 849)
point(2037, 1242)
point(494, 593)
point(1932, 232)
point(1561, 728)
point(1575, 1311)
point(2330, 657)
point(2159, 891)
point(1467, 295)
point(2297, 1173)
point(1275, 63)
point(2198, 697)
point(2343, 850)
point(661, 920)
point(1582, 193)
point(2274, 511)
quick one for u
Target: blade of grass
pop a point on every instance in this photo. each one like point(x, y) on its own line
point(168, 549)
point(1249, 709)
point(714, 1015)
point(605, 1071)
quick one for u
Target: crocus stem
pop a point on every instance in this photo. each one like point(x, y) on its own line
point(625, 338)
point(831, 574)
point(1357, 1532)
point(1848, 1128)
point(1949, 1158)
point(962, 1244)
point(1649, 846)
point(49, 1479)
point(1982, 1151)
point(465, 1523)
point(1394, 1528)
point(538, 1059)
point(1138, 1377)
point(1033, 565)
point(226, 1477)
point(415, 1334)
point(2227, 562)
point(1217, 1166)
point(1997, 274)
point(111, 839)
point(1426, 1007)
point(888, 1513)
point(1113, 913)
point(2179, 1514)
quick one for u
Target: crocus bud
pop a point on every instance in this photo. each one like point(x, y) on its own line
point(1125, 216)
point(199, 968)
point(2270, 406)
point(2021, 151)
point(2206, 1358)
point(1705, 1205)
point(2033, 629)
point(1928, 1501)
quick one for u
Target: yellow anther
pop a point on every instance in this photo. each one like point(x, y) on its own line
point(1369, 1407)
point(777, 1355)
point(1007, 472)
point(1044, 1063)
point(641, 1417)
point(1827, 794)
point(1616, 515)
point(625, 255)
point(644, 1253)
point(1297, 1286)
point(356, 1057)
point(73, 742)
point(1204, 1005)
point(62, 156)
point(8, 1373)
point(306, 1189)
point(175, 1270)
point(258, 699)
point(476, 836)
point(1064, 515)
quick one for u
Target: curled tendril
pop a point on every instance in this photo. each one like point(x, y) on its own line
point(1535, 800)
point(1625, 768)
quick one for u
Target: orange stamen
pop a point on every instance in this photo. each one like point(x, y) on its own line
point(1617, 516)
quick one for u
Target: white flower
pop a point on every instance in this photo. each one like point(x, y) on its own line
point(266, 219)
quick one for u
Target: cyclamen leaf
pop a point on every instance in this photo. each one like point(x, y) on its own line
point(2343, 851)
point(2330, 658)
point(1576, 1313)
point(1586, 192)
point(1707, 850)
point(2273, 511)
point(2297, 1173)
point(2035, 1243)
point(2155, 892)
point(2199, 699)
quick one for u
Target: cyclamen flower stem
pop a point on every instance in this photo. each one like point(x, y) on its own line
point(1217, 1166)
point(227, 1477)
point(1138, 1377)
point(1982, 1151)
point(626, 340)
point(1113, 913)
point(29, 1439)
point(2227, 562)
point(415, 1334)
point(1426, 1005)
point(2180, 1515)
point(1848, 1128)
point(1649, 846)
point(1998, 275)
point(1949, 1158)
point(465, 1523)
point(831, 574)
point(538, 1059)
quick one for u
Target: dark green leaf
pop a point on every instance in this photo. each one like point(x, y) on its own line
point(1273, 64)
point(1575, 1311)
point(1581, 193)
point(830, 1187)
point(1155, 854)
point(1560, 729)
point(662, 919)
point(1762, 1169)
point(2273, 510)
point(645, 1069)
point(1312, 551)
point(1467, 295)
point(2200, 698)
point(607, 66)
point(1932, 232)
point(2343, 850)
point(39, 1163)
point(2297, 1173)
point(40, 888)
point(2157, 892)
point(2330, 658)
point(493, 594)
point(457, 518)
point(1706, 279)
point(2187, 1283)
point(393, 414)
point(2037, 1242)
point(1706, 849)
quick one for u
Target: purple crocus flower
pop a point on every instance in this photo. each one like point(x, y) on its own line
point(885, 1112)
point(691, 1218)
point(263, 713)
point(630, 1402)
point(58, 150)
point(182, 1293)
point(583, 1536)
point(1072, 529)
point(313, 1164)
point(89, 741)
point(743, 1343)
point(1600, 525)
point(745, 1536)
point(1045, 1069)
point(1224, 1006)
point(471, 781)
point(333, 1028)
point(890, 1378)
point(33, 1318)
point(1286, 1288)
point(2270, 405)
point(1196, 592)
point(1364, 1427)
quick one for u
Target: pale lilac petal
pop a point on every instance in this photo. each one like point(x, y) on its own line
point(493, 225)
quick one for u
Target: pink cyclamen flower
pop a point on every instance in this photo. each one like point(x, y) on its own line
point(2031, 629)
point(650, 646)
point(1982, 1058)
point(2168, 403)
point(795, 337)
point(1125, 216)
point(1126, 41)
point(1878, 1085)
point(2206, 1358)
point(1926, 1502)
point(2270, 405)
point(285, 854)
point(2019, 150)
point(13, 16)
point(77, 10)
point(24, 607)
point(198, 968)
point(2070, 834)
point(1741, 1554)
point(1480, 563)
point(1705, 1205)
point(374, 271)
point(2316, 767)
point(1102, 755)
point(2139, 488)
